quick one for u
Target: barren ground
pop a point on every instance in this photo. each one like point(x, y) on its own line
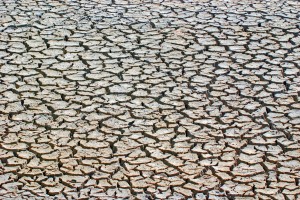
point(112, 99)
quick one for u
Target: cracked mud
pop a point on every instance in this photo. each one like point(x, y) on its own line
point(153, 99)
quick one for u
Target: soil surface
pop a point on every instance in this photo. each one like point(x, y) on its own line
point(137, 99)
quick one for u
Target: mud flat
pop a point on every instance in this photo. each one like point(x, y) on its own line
point(149, 99)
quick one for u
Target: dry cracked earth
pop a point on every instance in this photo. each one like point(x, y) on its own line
point(113, 99)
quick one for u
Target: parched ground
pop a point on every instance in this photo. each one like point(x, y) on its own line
point(112, 99)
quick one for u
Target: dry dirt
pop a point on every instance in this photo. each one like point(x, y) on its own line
point(113, 99)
